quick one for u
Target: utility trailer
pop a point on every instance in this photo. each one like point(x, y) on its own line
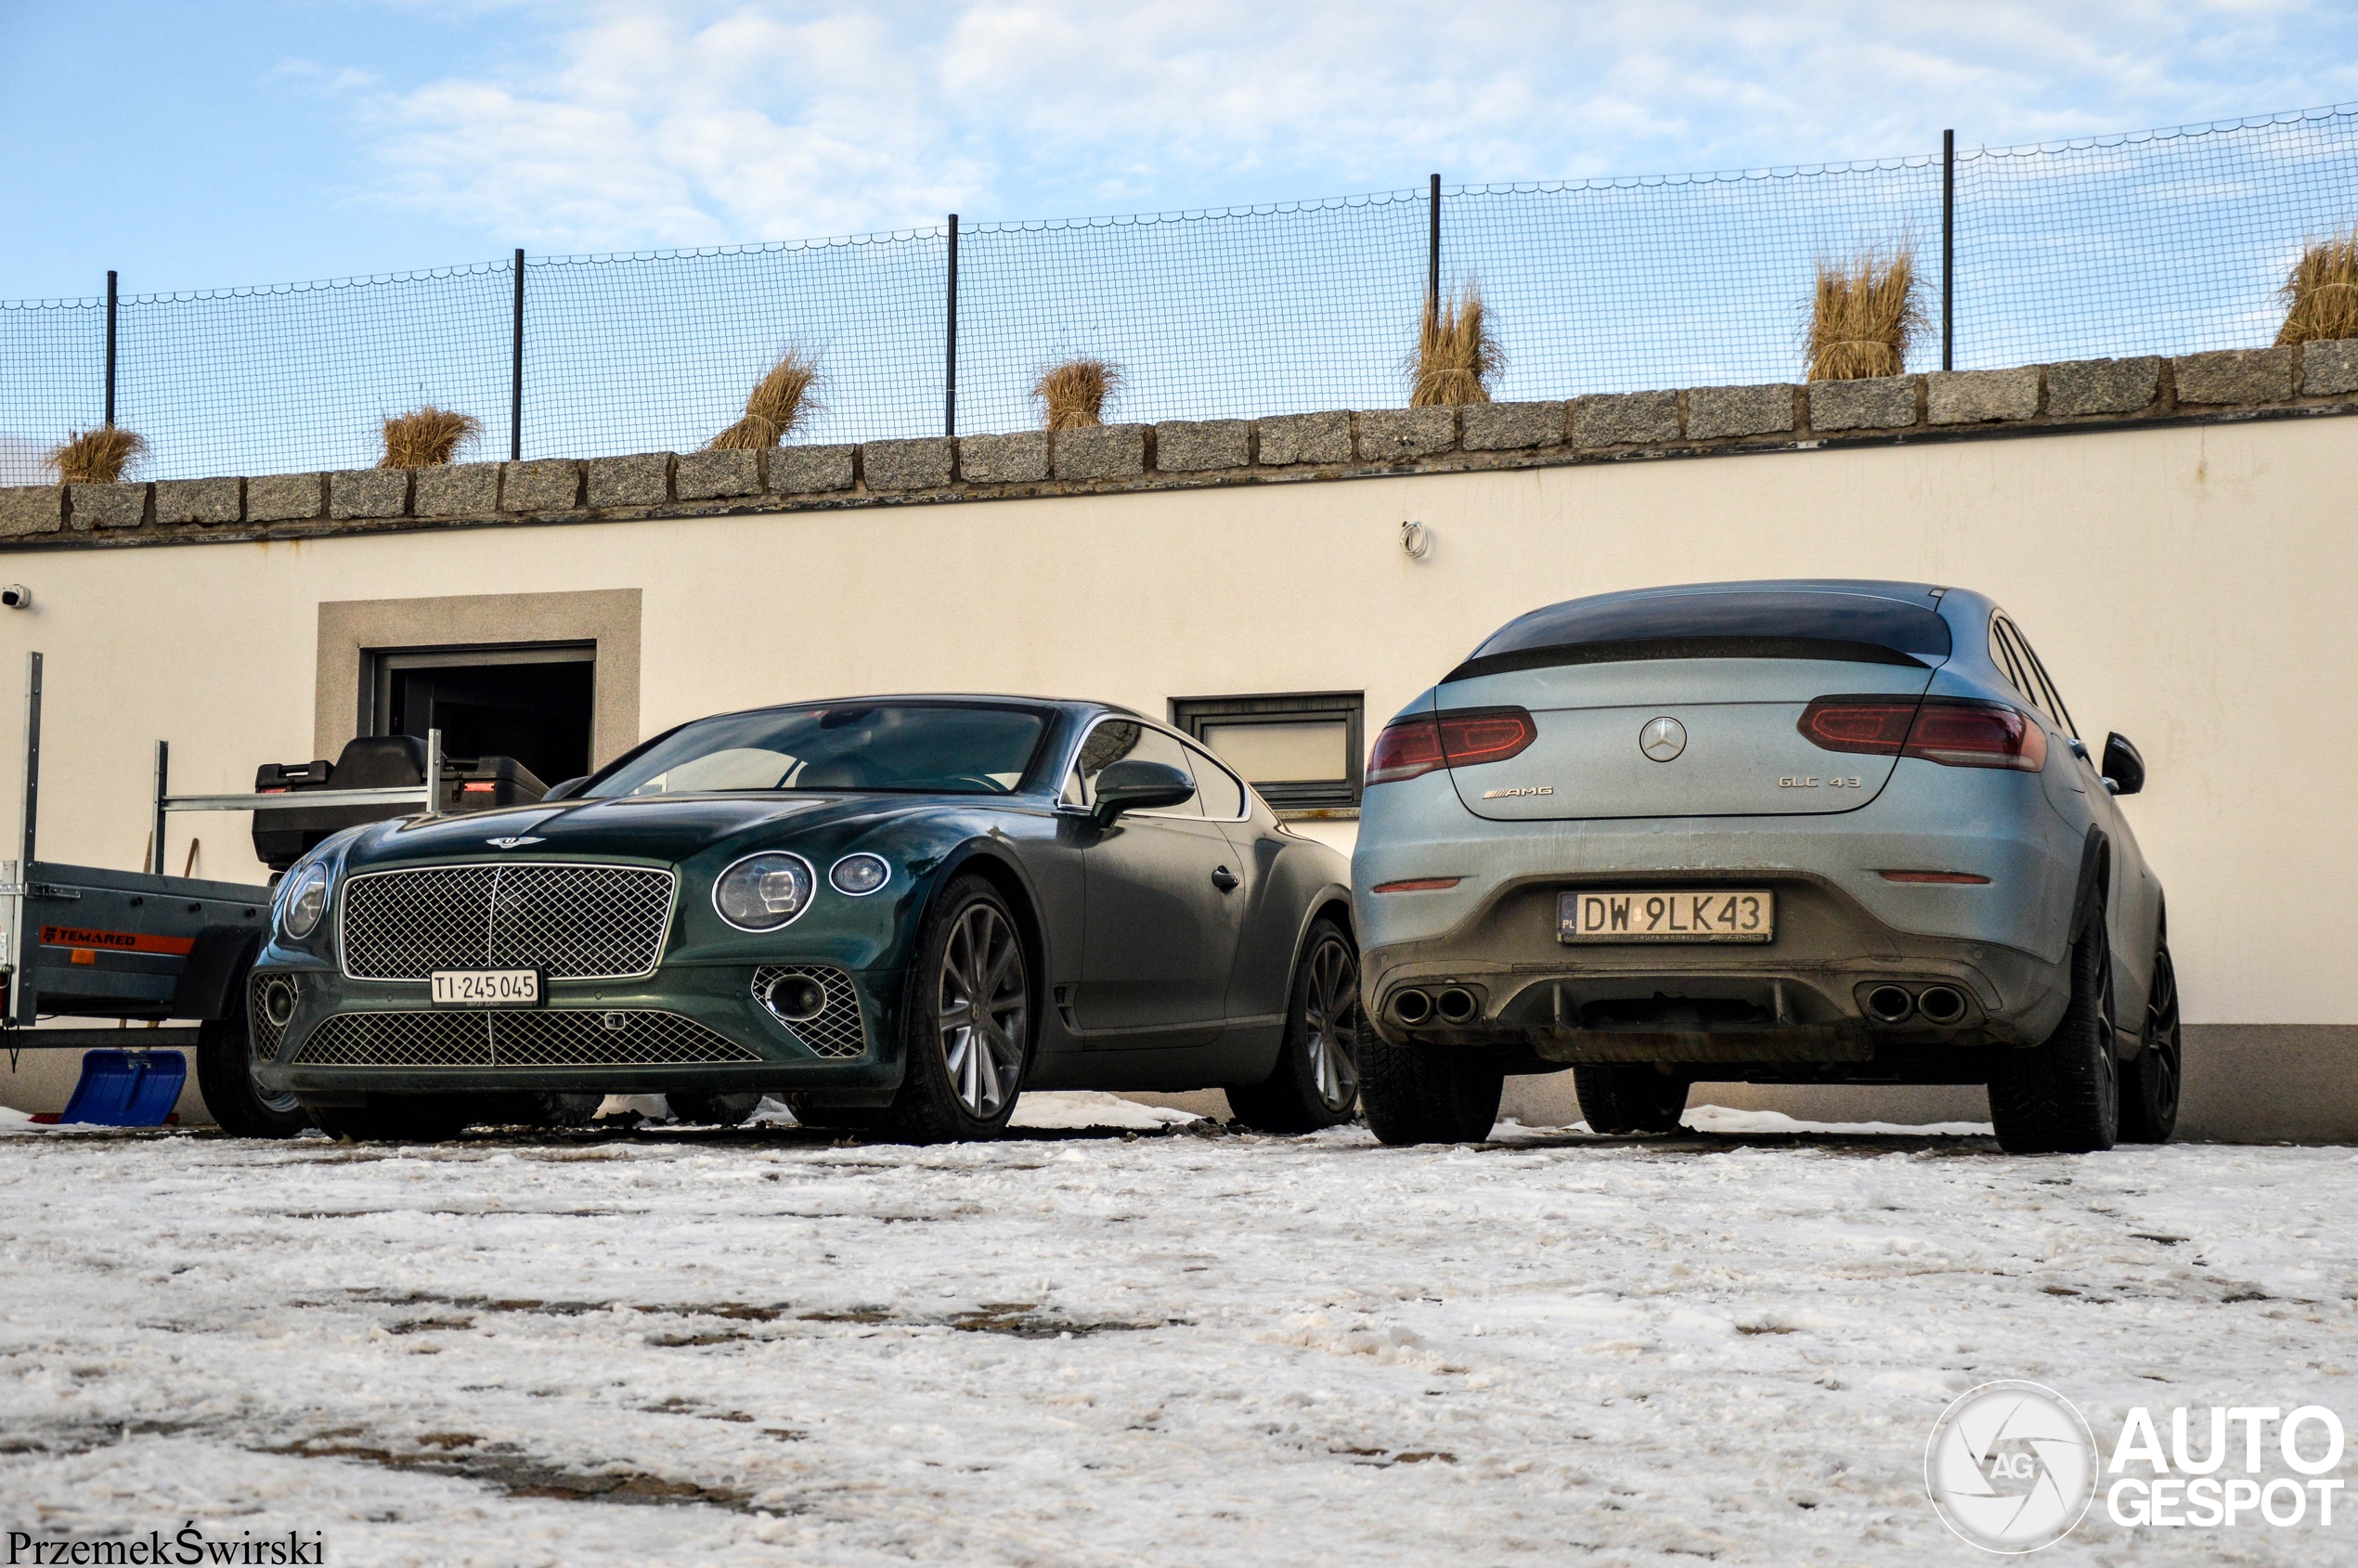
point(140, 947)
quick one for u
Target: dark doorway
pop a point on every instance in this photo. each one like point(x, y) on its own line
point(532, 704)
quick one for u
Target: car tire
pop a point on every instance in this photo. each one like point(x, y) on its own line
point(1425, 1094)
point(225, 1076)
point(1630, 1098)
point(2063, 1095)
point(700, 1108)
point(967, 1030)
point(1315, 1081)
point(397, 1119)
point(2151, 1085)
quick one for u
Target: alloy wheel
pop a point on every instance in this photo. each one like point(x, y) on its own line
point(1330, 1025)
point(982, 1010)
point(2161, 1036)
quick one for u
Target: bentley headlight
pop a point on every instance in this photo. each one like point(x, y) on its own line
point(765, 891)
point(307, 903)
point(860, 874)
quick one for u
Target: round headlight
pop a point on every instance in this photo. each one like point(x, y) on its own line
point(860, 874)
point(765, 891)
point(306, 901)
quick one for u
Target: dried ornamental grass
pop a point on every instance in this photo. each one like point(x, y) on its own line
point(1866, 316)
point(96, 457)
point(1456, 354)
point(777, 403)
point(2321, 294)
point(1072, 395)
point(427, 438)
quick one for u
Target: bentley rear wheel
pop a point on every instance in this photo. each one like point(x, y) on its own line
point(968, 1036)
point(1315, 1083)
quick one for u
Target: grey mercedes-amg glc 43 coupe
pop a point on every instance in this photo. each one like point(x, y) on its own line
point(1767, 831)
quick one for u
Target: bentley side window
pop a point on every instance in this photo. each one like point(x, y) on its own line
point(1124, 740)
point(1218, 789)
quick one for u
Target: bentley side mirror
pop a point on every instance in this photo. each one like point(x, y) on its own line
point(1140, 786)
point(2124, 768)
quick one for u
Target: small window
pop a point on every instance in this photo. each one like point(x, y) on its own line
point(2029, 676)
point(1301, 752)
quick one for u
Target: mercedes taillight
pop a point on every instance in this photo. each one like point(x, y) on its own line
point(1953, 732)
point(1459, 738)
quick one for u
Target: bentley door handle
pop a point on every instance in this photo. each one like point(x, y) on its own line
point(1223, 879)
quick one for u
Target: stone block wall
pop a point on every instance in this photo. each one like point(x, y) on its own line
point(2106, 394)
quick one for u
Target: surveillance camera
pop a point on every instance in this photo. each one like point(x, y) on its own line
point(16, 596)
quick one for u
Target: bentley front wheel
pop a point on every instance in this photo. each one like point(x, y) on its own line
point(968, 1035)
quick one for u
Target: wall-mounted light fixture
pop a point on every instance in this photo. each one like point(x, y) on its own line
point(16, 596)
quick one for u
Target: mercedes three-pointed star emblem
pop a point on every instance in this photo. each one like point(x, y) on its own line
point(1662, 739)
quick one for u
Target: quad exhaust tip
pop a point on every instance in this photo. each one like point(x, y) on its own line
point(1412, 1007)
point(1457, 1005)
point(1941, 1005)
point(1890, 1004)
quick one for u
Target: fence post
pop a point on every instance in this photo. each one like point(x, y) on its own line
point(515, 371)
point(1432, 255)
point(1948, 244)
point(950, 360)
point(110, 361)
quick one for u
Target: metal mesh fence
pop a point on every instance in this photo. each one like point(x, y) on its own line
point(2163, 243)
point(2160, 243)
point(53, 379)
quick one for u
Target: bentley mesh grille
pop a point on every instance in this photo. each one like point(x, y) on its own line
point(551, 1037)
point(836, 1033)
point(576, 922)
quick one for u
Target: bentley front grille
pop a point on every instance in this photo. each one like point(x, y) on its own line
point(573, 922)
point(834, 1031)
point(537, 1037)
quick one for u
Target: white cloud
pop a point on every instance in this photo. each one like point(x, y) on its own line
point(630, 125)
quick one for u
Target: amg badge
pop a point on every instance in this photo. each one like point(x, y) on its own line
point(1519, 789)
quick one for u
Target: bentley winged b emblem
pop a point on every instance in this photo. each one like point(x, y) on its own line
point(518, 842)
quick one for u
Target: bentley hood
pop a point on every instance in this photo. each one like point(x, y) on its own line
point(657, 829)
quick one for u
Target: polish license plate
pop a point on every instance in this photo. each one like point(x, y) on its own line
point(487, 988)
point(1685, 914)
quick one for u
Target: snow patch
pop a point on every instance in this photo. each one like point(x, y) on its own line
point(1064, 1108)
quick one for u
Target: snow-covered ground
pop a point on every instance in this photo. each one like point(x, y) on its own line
point(1173, 1345)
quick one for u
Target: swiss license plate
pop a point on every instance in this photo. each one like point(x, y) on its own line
point(487, 988)
point(1685, 914)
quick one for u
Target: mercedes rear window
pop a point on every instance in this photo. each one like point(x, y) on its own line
point(1757, 624)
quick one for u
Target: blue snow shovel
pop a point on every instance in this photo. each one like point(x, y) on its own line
point(126, 1088)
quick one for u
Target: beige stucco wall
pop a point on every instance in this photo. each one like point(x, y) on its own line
point(2189, 586)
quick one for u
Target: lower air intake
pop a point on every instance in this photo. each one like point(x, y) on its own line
point(554, 1037)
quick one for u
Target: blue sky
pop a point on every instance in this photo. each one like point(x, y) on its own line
point(257, 141)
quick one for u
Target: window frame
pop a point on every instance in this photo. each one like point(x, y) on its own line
point(1192, 716)
point(1073, 784)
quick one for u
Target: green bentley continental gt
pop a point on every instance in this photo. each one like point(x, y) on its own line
point(894, 913)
